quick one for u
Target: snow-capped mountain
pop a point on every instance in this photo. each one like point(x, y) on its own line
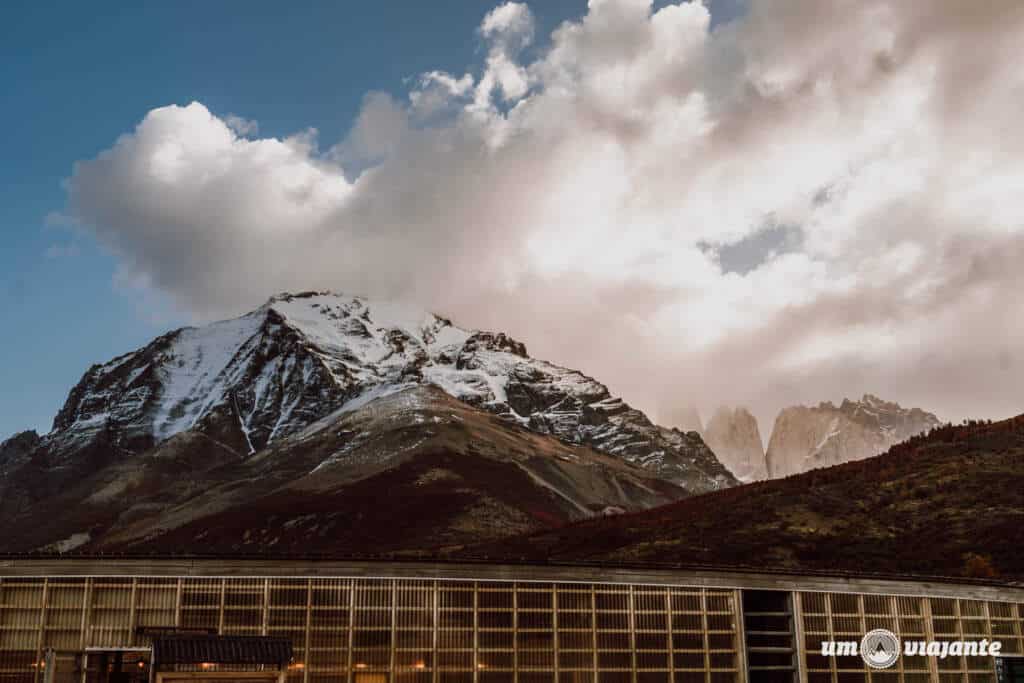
point(254, 380)
point(806, 438)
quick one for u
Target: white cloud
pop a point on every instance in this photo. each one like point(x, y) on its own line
point(376, 135)
point(511, 24)
point(242, 127)
point(581, 199)
point(192, 209)
point(436, 90)
point(508, 28)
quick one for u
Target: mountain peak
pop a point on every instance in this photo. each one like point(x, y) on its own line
point(252, 380)
point(289, 296)
point(733, 435)
point(805, 438)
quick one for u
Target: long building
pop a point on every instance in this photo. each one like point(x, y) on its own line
point(92, 620)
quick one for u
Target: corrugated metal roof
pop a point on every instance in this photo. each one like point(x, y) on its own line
point(196, 649)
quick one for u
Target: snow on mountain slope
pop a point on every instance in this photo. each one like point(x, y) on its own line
point(254, 380)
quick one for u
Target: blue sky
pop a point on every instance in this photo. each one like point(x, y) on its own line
point(77, 75)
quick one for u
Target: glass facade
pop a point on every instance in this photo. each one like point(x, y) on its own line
point(402, 630)
point(848, 616)
point(418, 630)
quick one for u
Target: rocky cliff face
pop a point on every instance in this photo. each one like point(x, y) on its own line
point(15, 454)
point(806, 438)
point(16, 449)
point(733, 436)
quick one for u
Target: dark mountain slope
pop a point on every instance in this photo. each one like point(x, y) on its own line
point(412, 468)
point(947, 503)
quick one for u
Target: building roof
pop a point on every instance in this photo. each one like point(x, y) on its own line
point(577, 572)
point(201, 648)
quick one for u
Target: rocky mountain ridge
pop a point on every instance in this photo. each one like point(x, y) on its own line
point(806, 438)
point(253, 380)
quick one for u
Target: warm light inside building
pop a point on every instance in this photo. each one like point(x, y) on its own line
point(491, 629)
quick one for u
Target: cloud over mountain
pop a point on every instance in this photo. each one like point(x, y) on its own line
point(815, 199)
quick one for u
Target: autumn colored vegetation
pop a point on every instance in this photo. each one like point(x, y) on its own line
point(946, 503)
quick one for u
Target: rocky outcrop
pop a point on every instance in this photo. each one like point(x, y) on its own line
point(15, 449)
point(733, 436)
point(15, 453)
point(806, 438)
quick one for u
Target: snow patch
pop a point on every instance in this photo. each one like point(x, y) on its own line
point(354, 404)
point(70, 543)
point(196, 371)
point(833, 431)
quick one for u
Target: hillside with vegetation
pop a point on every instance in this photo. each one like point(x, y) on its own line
point(946, 503)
